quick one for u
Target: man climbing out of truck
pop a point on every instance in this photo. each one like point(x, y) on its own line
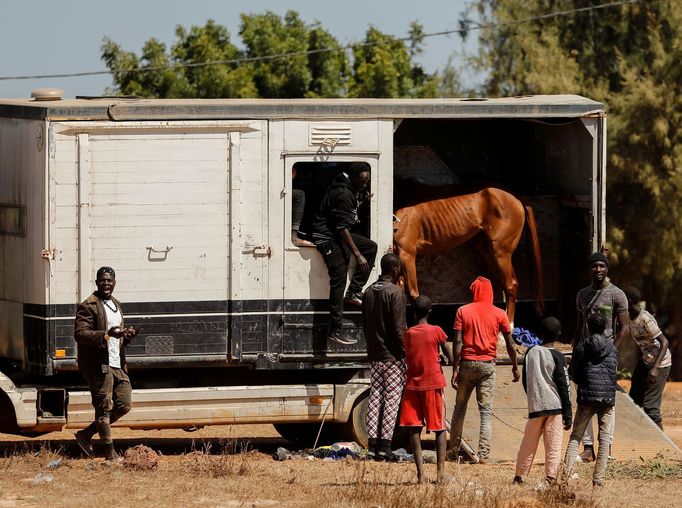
point(383, 315)
point(332, 236)
point(297, 211)
point(101, 338)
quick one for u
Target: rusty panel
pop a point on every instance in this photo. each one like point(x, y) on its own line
point(635, 435)
point(446, 277)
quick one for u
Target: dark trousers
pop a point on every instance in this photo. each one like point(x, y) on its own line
point(647, 395)
point(297, 208)
point(337, 258)
point(111, 397)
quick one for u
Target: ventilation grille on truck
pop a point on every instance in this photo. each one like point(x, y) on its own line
point(158, 345)
point(329, 134)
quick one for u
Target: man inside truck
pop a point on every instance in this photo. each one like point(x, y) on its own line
point(101, 338)
point(332, 236)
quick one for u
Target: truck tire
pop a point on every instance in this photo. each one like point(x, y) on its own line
point(355, 429)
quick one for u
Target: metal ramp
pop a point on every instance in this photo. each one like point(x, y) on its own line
point(635, 435)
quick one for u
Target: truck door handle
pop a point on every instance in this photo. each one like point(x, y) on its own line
point(158, 254)
point(261, 251)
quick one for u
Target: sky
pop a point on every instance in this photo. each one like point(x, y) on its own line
point(48, 37)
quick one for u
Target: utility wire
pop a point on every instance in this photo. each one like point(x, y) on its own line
point(325, 50)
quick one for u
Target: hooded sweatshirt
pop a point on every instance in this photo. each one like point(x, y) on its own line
point(338, 210)
point(383, 315)
point(545, 379)
point(480, 322)
point(595, 364)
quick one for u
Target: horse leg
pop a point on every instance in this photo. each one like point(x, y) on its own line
point(510, 284)
point(408, 260)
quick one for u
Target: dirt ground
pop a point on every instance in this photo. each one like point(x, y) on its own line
point(233, 466)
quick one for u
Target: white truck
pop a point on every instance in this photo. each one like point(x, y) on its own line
point(190, 202)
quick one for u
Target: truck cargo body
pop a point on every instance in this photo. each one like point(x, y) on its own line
point(190, 202)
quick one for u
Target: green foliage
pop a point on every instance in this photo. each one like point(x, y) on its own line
point(523, 58)
point(268, 34)
point(383, 67)
point(303, 61)
point(646, 163)
point(658, 468)
point(200, 44)
point(210, 43)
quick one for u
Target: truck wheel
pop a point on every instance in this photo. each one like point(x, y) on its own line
point(304, 434)
point(355, 429)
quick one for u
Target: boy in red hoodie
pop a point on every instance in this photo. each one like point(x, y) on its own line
point(423, 395)
point(476, 327)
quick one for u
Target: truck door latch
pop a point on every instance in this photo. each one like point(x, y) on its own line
point(262, 251)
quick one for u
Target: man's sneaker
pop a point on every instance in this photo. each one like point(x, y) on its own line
point(353, 299)
point(588, 454)
point(85, 443)
point(336, 336)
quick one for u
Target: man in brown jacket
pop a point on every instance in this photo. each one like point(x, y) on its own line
point(383, 314)
point(101, 338)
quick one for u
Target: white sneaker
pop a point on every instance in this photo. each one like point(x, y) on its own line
point(542, 486)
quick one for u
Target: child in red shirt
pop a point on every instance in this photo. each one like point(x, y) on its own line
point(423, 395)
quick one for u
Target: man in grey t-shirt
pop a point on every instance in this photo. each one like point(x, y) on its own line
point(605, 298)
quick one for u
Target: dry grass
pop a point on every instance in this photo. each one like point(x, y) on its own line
point(372, 487)
point(229, 472)
point(232, 474)
point(234, 458)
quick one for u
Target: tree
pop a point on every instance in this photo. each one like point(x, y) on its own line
point(628, 57)
point(322, 73)
point(383, 67)
point(180, 73)
point(283, 57)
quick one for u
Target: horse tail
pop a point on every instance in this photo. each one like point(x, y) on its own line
point(534, 252)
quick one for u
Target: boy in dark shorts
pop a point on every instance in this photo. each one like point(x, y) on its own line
point(423, 396)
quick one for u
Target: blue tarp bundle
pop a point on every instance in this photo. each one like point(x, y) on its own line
point(525, 337)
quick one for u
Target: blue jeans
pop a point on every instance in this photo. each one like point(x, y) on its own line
point(479, 375)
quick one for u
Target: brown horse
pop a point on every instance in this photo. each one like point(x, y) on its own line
point(443, 224)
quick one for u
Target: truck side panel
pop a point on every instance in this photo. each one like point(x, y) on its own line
point(23, 271)
point(158, 203)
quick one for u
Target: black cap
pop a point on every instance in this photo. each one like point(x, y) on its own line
point(598, 256)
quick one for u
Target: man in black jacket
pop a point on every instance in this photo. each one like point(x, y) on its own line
point(332, 236)
point(595, 367)
point(101, 338)
point(383, 315)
